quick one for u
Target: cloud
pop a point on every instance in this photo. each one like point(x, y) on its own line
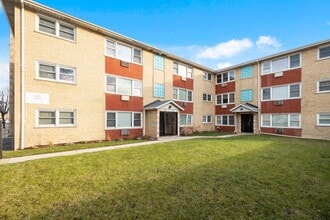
point(225, 49)
point(267, 42)
point(224, 65)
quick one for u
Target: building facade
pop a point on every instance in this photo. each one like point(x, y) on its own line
point(73, 81)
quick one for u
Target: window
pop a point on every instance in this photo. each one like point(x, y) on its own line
point(281, 120)
point(324, 52)
point(182, 70)
point(281, 92)
point(185, 120)
point(207, 76)
point(123, 86)
point(226, 77)
point(55, 118)
point(123, 52)
point(159, 62)
point(207, 119)
point(281, 64)
point(227, 98)
point(159, 90)
point(55, 72)
point(225, 120)
point(182, 95)
point(57, 28)
point(207, 97)
point(247, 95)
point(123, 120)
point(246, 72)
point(323, 86)
point(323, 119)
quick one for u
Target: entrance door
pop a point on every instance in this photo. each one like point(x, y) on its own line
point(247, 123)
point(168, 123)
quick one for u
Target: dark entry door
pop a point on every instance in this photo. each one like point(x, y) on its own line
point(168, 123)
point(247, 123)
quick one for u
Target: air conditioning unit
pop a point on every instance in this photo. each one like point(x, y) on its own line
point(125, 98)
point(278, 74)
point(124, 64)
point(223, 106)
point(124, 132)
point(223, 84)
point(183, 78)
point(279, 130)
point(184, 104)
point(278, 102)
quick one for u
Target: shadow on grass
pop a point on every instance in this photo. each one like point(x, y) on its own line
point(267, 181)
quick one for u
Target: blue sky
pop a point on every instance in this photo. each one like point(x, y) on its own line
point(215, 33)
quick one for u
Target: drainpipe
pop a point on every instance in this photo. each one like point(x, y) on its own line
point(22, 75)
point(259, 97)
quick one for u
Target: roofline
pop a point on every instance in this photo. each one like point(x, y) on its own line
point(165, 103)
point(275, 55)
point(112, 34)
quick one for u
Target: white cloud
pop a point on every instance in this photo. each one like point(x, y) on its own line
point(4, 75)
point(267, 41)
point(225, 49)
point(224, 65)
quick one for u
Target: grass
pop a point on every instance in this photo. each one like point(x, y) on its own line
point(256, 177)
point(211, 133)
point(54, 149)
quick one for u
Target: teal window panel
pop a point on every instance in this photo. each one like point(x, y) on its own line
point(159, 62)
point(159, 90)
point(247, 95)
point(247, 72)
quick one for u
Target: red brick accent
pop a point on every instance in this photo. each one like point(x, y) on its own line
point(178, 82)
point(290, 76)
point(224, 111)
point(287, 131)
point(115, 134)
point(289, 106)
point(229, 88)
point(112, 66)
point(114, 102)
point(225, 128)
point(188, 109)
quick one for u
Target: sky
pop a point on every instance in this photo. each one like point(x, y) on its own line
point(214, 33)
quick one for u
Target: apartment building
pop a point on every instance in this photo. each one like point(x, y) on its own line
point(72, 81)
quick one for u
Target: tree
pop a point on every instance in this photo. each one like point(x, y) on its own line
point(4, 109)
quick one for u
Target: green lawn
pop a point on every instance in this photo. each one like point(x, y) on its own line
point(257, 177)
point(54, 149)
point(211, 133)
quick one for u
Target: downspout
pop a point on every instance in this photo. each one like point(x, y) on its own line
point(22, 75)
point(259, 98)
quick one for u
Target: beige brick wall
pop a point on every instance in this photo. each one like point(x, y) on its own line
point(312, 102)
point(86, 96)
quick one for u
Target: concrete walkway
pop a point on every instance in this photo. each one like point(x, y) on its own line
point(91, 150)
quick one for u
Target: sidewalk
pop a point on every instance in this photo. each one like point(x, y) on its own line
point(91, 150)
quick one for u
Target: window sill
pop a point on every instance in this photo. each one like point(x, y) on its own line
point(56, 81)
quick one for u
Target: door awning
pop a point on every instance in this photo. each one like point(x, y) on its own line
point(246, 107)
point(167, 105)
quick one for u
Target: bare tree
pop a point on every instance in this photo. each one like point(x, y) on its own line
point(4, 106)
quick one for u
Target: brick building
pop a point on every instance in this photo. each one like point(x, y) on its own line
point(71, 81)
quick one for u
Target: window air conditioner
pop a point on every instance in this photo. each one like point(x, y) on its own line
point(278, 74)
point(223, 84)
point(223, 106)
point(183, 78)
point(279, 130)
point(124, 64)
point(184, 104)
point(124, 132)
point(278, 102)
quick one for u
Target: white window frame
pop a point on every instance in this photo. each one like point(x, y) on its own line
point(116, 51)
point(271, 71)
point(57, 28)
point(57, 72)
point(57, 118)
point(271, 92)
point(288, 122)
point(133, 82)
point(216, 100)
point(228, 73)
point(176, 69)
point(318, 86)
point(208, 77)
point(224, 115)
point(187, 124)
point(178, 95)
point(318, 53)
point(116, 127)
point(209, 97)
point(318, 119)
point(207, 119)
